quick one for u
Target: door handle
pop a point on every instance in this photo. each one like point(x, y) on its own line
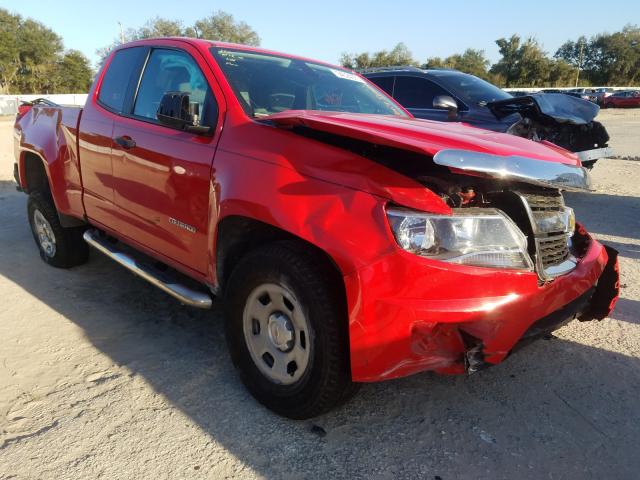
point(126, 142)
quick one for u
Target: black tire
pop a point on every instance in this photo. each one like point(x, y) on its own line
point(326, 380)
point(70, 248)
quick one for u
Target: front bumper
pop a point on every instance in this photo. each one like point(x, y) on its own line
point(409, 314)
point(595, 154)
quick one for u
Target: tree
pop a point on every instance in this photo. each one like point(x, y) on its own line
point(158, 27)
point(220, 26)
point(9, 49)
point(72, 73)
point(223, 27)
point(507, 66)
point(561, 74)
point(607, 59)
point(522, 64)
point(573, 52)
point(471, 61)
point(33, 60)
point(615, 58)
point(399, 55)
point(40, 48)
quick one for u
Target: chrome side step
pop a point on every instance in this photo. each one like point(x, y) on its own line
point(177, 290)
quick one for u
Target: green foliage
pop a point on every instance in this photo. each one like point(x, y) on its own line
point(398, 55)
point(220, 26)
point(523, 64)
point(72, 73)
point(32, 59)
point(471, 61)
point(607, 59)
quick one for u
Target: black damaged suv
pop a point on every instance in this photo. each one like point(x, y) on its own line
point(450, 95)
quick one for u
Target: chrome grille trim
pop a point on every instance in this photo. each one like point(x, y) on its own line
point(552, 254)
point(516, 168)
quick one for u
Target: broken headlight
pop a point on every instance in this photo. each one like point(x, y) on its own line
point(483, 237)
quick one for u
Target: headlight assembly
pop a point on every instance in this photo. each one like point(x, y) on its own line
point(482, 237)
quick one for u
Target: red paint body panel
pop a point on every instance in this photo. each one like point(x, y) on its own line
point(51, 134)
point(405, 312)
point(398, 301)
point(423, 136)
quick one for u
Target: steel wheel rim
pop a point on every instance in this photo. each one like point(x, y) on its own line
point(45, 234)
point(277, 333)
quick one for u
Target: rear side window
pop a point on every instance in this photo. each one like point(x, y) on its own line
point(173, 71)
point(415, 92)
point(385, 83)
point(120, 72)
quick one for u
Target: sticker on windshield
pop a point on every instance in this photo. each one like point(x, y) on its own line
point(346, 75)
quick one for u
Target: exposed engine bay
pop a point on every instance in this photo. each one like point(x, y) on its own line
point(552, 245)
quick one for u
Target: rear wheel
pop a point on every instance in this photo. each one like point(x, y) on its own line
point(286, 331)
point(60, 247)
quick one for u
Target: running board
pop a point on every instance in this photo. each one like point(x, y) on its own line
point(163, 281)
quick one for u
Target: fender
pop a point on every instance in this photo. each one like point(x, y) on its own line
point(59, 154)
point(308, 208)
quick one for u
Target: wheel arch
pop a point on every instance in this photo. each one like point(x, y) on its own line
point(35, 177)
point(237, 235)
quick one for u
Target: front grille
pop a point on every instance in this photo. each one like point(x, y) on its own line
point(552, 248)
point(551, 201)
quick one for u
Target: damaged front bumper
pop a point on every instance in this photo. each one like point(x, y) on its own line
point(589, 156)
point(457, 319)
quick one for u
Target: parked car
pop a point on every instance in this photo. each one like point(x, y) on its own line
point(450, 95)
point(585, 93)
point(350, 241)
point(627, 98)
point(602, 93)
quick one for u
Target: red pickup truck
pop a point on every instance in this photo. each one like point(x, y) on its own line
point(351, 242)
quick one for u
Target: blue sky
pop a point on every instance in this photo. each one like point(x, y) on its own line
point(322, 29)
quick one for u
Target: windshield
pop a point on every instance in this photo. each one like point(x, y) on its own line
point(266, 84)
point(472, 90)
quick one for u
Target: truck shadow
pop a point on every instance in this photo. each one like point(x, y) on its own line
point(556, 406)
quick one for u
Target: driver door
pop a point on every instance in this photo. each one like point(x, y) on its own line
point(162, 175)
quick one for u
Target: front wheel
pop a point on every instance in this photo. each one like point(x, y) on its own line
point(286, 329)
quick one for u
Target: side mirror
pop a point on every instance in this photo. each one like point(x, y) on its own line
point(177, 111)
point(445, 102)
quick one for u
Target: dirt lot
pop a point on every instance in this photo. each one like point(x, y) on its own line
point(102, 376)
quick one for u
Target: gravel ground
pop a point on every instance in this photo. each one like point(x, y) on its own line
point(102, 376)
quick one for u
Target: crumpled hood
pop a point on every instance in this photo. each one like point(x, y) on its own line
point(557, 106)
point(422, 136)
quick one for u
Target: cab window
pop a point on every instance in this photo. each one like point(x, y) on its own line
point(173, 71)
point(121, 72)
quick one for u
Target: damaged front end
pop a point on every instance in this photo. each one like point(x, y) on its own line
point(528, 192)
point(499, 262)
point(561, 119)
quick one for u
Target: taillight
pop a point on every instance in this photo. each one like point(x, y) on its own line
point(23, 108)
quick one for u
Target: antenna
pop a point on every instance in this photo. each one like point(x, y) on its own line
point(121, 32)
